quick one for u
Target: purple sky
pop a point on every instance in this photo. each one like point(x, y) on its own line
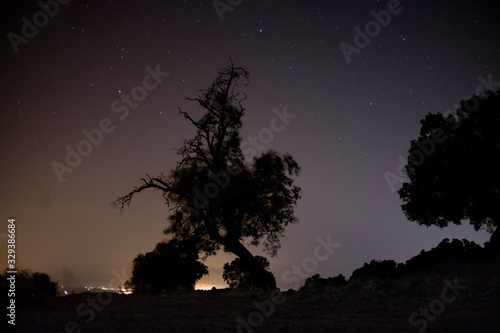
point(352, 120)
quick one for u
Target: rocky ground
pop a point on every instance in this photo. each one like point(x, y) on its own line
point(451, 297)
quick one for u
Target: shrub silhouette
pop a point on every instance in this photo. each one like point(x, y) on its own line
point(238, 274)
point(461, 249)
point(30, 284)
point(318, 282)
point(42, 285)
point(464, 250)
point(381, 269)
point(170, 266)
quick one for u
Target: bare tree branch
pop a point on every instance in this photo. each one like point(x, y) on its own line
point(155, 183)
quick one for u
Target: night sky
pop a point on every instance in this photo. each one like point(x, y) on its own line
point(353, 119)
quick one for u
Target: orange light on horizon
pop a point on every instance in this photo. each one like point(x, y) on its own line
point(204, 286)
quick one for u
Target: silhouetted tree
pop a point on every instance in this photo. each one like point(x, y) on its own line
point(43, 285)
point(454, 166)
point(237, 274)
point(170, 266)
point(30, 284)
point(217, 199)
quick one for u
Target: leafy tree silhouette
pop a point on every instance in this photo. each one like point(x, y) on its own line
point(215, 198)
point(453, 167)
point(30, 284)
point(170, 266)
point(238, 275)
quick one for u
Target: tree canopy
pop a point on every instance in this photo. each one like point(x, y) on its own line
point(216, 198)
point(453, 167)
point(170, 266)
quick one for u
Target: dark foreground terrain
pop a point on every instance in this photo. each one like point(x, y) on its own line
point(451, 297)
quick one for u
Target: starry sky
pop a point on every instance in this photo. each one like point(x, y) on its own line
point(354, 117)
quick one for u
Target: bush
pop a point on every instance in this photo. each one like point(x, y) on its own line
point(237, 275)
point(30, 284)
point(170, 266)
